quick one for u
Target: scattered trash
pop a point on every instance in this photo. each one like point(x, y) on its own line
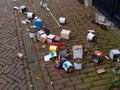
point(67, 66)
point(41, 36)
point(53, 48)
point(100, 18)
point(51, 82)
point(38, 23)
point(78, 64)
point(92, 31)
point(52, 54)
point(107, 57)
point(16, 8)
point(102, 21)
point(57, 38)
point(78, 51)
point(50, 38)
point(44, 5)
point(115, 54)
point(32, 35)
point(27, 21)
point(91, 36)
point(20, 55)
point(31, 85)
point(30, 15)
point(64, 53)
point(37, 78)
point(57, 64)
point(33, 26)
point(101, 71)
point(22, 9)
point(63, 59)
point(33, 48)
point(46, 30)
point(86, 49)
point(62, 20)
point(97, 56)
point(23, 22)
point(47, 57)
point(43, 46)
point(35, 39)
point(59, 44)
point(65, 34)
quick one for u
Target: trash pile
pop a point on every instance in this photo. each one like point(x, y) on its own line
point(58, 52)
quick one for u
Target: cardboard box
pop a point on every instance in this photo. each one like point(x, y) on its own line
point(50, 38)
point(77, 51)
point(114, 54)
point(65, 34)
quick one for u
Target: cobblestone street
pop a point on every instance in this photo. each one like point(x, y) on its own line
point(20, 74)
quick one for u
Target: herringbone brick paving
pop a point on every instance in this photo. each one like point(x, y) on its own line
point(13, 73)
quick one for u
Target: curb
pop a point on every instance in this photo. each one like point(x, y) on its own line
point(32, 61)
point(33, 64)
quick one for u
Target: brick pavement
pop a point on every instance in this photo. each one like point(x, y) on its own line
point(78, 23)
point(75, 13)
point(12, 69)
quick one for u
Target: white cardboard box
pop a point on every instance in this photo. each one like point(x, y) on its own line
point(77, 51)
point(114, 54)
point(65, 34)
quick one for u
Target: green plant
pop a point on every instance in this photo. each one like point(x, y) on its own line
point(114, 79)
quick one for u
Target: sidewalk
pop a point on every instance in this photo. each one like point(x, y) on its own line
point(37, 74)
point(78, 23)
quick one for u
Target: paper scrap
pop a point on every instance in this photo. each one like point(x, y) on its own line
point(101, 71)
point(37, 78)
point(20, 55)
point(47, 57)
point(32, 35)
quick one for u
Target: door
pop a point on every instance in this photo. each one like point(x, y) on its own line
point(117, 11)
point(105, 6)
